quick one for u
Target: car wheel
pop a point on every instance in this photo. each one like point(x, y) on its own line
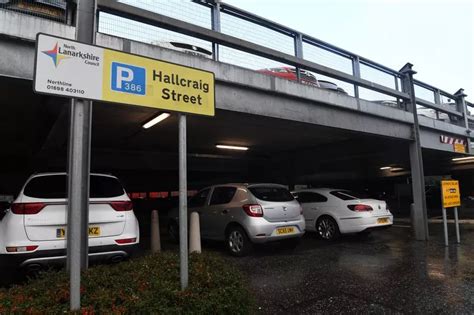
point(32, 271)
point(327, 228)
point(173, 231)
point(238, 242)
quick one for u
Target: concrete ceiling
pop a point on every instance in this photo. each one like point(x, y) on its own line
point(34, 133)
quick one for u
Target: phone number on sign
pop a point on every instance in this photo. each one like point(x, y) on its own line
point(62, 89)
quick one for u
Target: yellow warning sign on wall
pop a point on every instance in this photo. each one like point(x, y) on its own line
point(451, 194)
point(459, 148)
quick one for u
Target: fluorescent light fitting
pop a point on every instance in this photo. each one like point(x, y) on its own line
point(156, 120)
point(231, 147)
point(467, 158)
point(385, 168)
point(396, 169)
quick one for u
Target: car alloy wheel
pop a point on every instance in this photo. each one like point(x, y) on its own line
point(236, 241)
point(327, 228)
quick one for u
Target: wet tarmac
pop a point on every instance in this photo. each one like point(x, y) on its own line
point(385, 272)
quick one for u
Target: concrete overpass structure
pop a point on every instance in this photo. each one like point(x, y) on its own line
point(298, 134)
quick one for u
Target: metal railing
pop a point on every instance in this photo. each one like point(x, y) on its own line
point(56, 10)
point(248, 40)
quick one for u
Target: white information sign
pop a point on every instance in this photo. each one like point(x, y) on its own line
point(69, 68)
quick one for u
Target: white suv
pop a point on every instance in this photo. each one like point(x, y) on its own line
point(33, 229)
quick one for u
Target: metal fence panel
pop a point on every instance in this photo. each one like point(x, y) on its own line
point(55, 10)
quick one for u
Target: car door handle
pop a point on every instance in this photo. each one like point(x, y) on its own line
point(314, 208)
point(225, 211)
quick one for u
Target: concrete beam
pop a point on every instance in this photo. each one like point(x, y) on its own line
point(239, 99)
point(17, 58)
point(26, 27)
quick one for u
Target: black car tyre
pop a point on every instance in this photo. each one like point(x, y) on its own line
point(237, 241)
point(327, 228)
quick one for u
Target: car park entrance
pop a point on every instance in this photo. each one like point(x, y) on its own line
point(281, 151)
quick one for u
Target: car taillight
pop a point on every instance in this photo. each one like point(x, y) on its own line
point(121, 205)
point(126, 240)
point(301, 210)
point(360, 208)
point(27, 208)
point(19, 249)
point(253, 210)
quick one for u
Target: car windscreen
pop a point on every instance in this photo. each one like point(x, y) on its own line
point(271, 193)
point(55, 187)
point(347, 195)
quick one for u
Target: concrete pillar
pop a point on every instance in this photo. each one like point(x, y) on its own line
point(419, 217)
point(420, 222)
point(194, 233)
point(155, 232)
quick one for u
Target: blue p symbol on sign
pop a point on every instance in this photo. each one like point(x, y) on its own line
point(128, 79)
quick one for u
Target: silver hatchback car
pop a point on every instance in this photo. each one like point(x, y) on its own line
point(243, 214)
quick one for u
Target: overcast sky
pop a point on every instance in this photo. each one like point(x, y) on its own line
point(436, 36)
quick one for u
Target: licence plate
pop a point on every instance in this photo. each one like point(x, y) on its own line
point(285, 230)
point(93, 231)
point(382, 220)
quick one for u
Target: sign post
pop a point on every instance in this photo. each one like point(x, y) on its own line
point(84, 72)
point(450, 198)
point(183, 204)
point(78, 162)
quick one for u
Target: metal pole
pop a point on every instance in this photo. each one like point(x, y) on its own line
point(445, 225)
point(79, 167)
point(462, 107)
point(397, 87)
point(183, 204)
point(356, 73)
point(298, 53)
point(416, 160)
point(216, 26)
point(456, 221)
point(437, 99)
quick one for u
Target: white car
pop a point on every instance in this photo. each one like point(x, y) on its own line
point(331, 212)
point(33, 229)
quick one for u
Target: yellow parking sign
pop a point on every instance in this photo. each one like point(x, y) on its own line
point(451, 193)
point(148, 82)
